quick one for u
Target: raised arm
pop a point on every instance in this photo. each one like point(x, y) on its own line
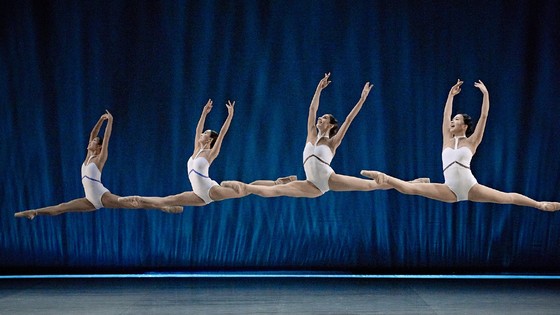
point(337, 139)
point(200, 126)
point(97, 127)
point(447, 111)
point(215, 151)
point(106, 137)
point(476, 137)
point(311, 119)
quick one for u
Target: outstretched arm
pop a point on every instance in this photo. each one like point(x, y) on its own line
point(447, 111)
point(337, 139)
point(481, 124)
point(200, 126)
point(215, 151)
point(106, 137)
point(311, 119)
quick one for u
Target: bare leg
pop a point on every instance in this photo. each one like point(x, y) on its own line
point(422, 180)
point(218, 193)
point(429, 190)
point(481, 193)
point(76, 205)
point(110, 200)
point(338, 182)
point(298, 188)
point(278, 181)
point(187, 198)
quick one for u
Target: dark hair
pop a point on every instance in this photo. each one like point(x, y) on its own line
point(334, 129)
point(100, 141)
point(214, 136)
point(467, 120)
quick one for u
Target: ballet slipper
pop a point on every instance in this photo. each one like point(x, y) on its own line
point(285, 180)
point(132, 201)
point(379, 177)
point(238, 187)
point(549, 206)
point(30, 214)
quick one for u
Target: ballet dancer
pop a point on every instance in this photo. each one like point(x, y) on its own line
point(97, 196)
point(207, 146)
point(460, 142)
point(323, 138)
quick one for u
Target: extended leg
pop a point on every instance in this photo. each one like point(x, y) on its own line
point(429, 190)
point(76, 205)
point(298, 188)
point(187, 198)
point(278, 181)
point(481, 193)
point(338, 182)
point(110, 200)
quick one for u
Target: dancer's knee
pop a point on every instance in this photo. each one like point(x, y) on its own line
point(514, 197)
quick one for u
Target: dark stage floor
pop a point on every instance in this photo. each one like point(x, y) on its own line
point(272, 295)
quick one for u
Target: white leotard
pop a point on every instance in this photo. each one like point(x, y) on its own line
point(91, 180)
point(197, 169)
point(316, 163)
point(457, 171)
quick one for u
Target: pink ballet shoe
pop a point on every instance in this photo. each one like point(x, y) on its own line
point(237, 186)
point(549, 206)
point(379, 177)
point(30, 214)
point(285, 180)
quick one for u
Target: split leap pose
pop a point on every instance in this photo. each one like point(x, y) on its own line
point(207, 146)
point(323, 138)
point(460, 142)
point(97, 196)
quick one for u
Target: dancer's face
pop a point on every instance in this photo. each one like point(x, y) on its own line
point(205, 138)
point(458, 125)
point(94, 145)
point(323, 123)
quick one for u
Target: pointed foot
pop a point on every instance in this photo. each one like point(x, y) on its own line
point(285, 180)
point(30, 214)
point(133, 202)
point(549, 206)
point(379, 177)
point(239, 187)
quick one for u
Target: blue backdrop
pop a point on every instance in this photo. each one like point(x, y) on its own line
point(154, 65)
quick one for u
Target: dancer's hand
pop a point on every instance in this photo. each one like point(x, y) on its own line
point(324, 82)
point(208, 107)
point(109, 116)
point(481, 86)
point(105, 116)
point(366, 90)
point(229, 106)
point(456, 89)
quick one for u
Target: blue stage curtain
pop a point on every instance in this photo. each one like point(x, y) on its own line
point(154, 64)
